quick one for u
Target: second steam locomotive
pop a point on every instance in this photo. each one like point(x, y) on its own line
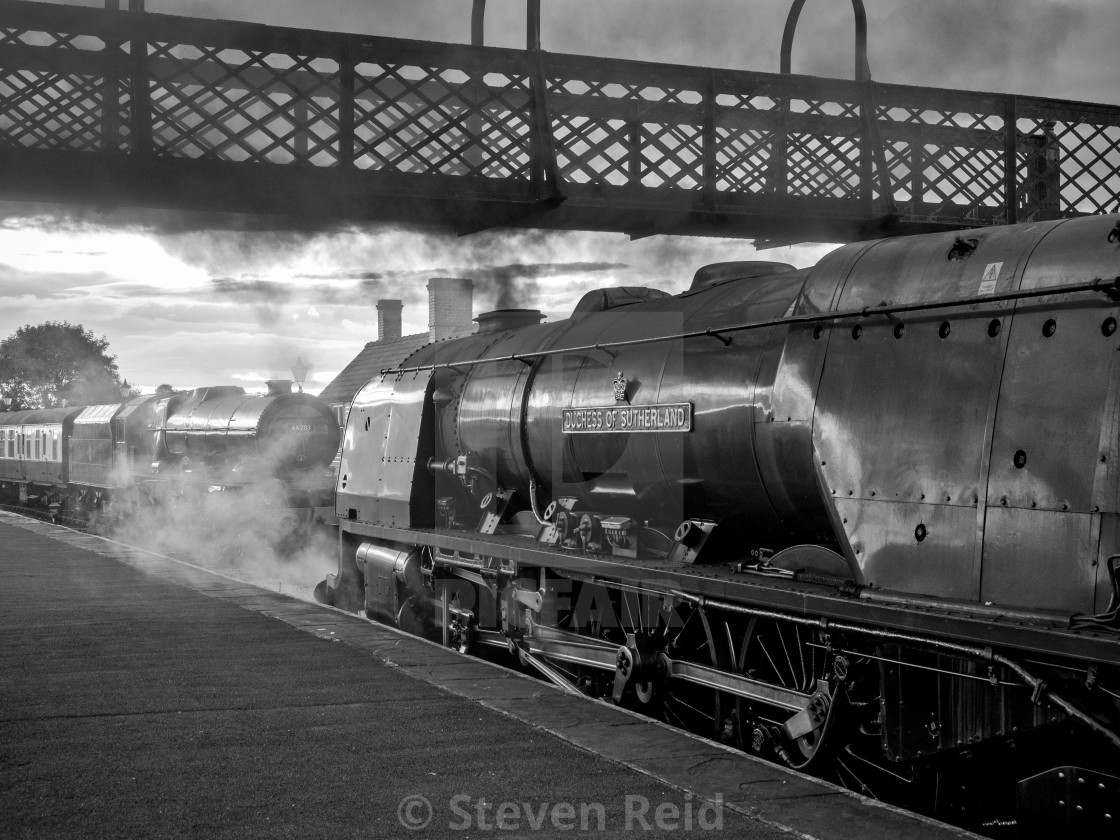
point(111, 462)
point(862, 519)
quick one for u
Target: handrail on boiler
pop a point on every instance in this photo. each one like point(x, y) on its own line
point(1108, 287)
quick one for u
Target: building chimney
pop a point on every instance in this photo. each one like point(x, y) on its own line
point(450, 304)
point(388, 319)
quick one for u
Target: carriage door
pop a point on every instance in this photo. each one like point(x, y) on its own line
point(121, 460)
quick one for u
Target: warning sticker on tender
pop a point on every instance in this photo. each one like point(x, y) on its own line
point(988, 281)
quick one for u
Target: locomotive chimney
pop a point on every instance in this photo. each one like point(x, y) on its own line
point(279, 386)
point(388, 319)
point(508, 319)
point(450, 303)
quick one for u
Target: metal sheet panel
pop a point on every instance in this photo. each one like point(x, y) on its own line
point(1041, 559)
point(381, 449)
point(901, 418)
point(1073, 250)
point(884, 540)
point(1047, 444)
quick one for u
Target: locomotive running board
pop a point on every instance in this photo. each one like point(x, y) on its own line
point(1046, 637)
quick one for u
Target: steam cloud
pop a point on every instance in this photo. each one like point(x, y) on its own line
point(236, 534)
point(247, 533)
point(517, 285)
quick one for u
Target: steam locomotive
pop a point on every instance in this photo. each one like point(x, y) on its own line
point(105, 463)
point(862, 519)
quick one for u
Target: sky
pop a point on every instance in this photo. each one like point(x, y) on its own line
point(194, 300)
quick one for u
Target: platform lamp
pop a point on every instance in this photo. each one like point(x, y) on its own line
point(299, 373)
point(7, 401)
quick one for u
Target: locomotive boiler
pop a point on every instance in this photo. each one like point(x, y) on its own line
point(861, 518)
point(239, 437)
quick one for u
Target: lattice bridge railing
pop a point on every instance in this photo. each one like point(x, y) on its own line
point(223, 115)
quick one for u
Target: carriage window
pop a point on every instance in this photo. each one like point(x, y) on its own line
point(36, 446)
point(54, 446)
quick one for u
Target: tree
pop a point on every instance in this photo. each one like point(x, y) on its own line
point(55, 364)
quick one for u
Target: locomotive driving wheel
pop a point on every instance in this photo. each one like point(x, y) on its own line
point(694, 707)
point(680, 633)
point(782, 654)
point(844, 748)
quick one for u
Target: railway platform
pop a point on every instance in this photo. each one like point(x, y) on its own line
point(145, 697)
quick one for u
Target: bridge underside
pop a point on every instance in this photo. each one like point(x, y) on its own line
point(324, 197)
point(136, 109)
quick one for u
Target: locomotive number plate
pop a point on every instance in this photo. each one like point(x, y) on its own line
point(669, 417)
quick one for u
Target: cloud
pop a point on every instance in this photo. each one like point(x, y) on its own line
point(344, 274)
point(17, 282)
point(1013, 46)
point(1036, 47)
point(251, 291)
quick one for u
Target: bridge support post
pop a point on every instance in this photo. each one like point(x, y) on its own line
point(478, 23)
point(708, 149)
point(346, 62)
point(140, 118)
point(533, 24)
point(110, 91)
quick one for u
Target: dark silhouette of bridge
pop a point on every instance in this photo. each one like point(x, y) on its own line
point(139, 109)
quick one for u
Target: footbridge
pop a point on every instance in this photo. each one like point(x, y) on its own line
point(139, 109)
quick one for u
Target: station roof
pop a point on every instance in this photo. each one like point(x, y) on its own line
point(97, 413)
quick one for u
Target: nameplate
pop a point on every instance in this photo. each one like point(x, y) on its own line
point(668, 417)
